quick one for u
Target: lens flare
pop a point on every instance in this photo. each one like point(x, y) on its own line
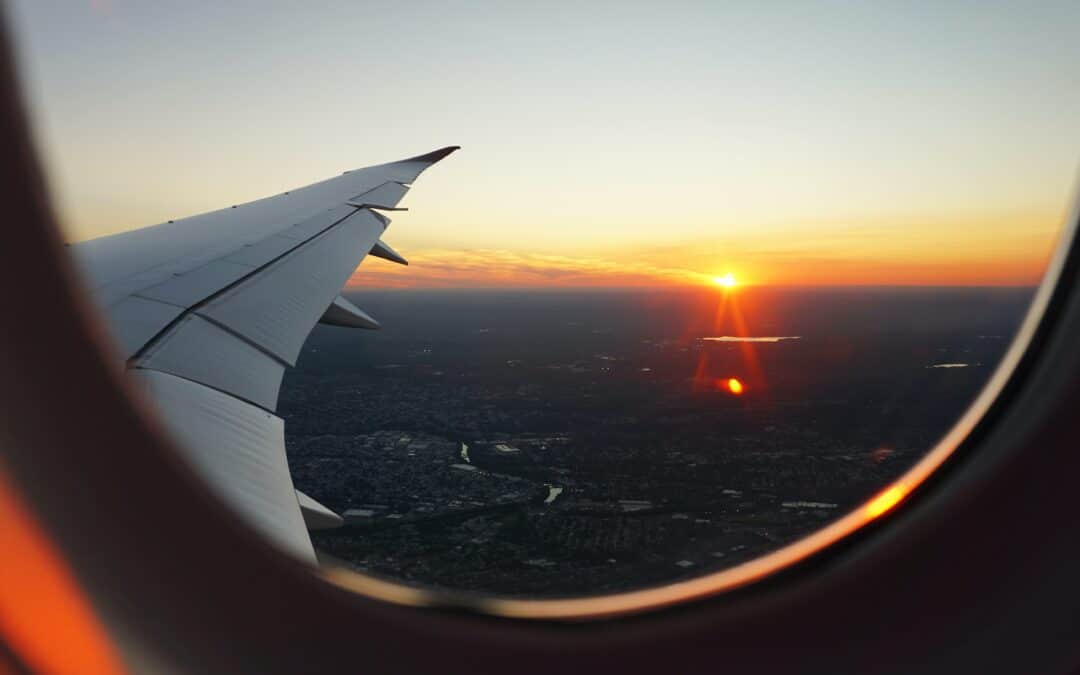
point(734, 386)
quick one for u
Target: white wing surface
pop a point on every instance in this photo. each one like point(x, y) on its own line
point(208, 311)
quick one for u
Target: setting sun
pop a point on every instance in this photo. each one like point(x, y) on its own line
point(727, 281)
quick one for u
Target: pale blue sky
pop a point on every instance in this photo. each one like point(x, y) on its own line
point(585, 126)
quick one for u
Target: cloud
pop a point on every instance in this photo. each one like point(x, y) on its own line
point(503, 268)
point(868, 257)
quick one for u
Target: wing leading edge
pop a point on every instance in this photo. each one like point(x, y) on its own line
point(208, 311)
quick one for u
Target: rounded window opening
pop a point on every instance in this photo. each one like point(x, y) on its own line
point(702, 283)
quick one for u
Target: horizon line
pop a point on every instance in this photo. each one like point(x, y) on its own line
point(701, 288)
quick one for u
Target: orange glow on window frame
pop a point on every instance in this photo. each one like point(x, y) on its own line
point(885, 501)
point(44, 617)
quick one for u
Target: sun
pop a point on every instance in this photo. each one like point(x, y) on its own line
point(727, 281)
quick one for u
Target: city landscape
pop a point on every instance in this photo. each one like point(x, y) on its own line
point(552, 443)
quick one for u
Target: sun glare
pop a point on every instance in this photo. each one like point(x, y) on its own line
point(727, 281)
point(734, 386)
point(884, 501)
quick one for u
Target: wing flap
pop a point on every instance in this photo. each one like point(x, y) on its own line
point(277, 308)
point(196, 349)
point(238, 448)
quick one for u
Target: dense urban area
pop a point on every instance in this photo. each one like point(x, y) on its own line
point(562, 443)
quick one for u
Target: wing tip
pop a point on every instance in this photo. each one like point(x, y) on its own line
point(434, 155)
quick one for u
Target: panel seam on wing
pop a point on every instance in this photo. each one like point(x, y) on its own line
point(243, 338)
point(181, 376)
point(221, 291)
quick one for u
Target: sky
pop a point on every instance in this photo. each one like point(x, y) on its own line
point(603, 144)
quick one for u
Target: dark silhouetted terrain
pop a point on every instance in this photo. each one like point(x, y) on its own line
point(553, 443)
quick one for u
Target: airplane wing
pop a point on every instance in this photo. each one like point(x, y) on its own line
point(208, 311)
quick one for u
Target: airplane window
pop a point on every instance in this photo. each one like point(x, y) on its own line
point(699, 285)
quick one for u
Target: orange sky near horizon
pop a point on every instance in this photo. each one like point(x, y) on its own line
point(481, 268)
point(492, 268)
point(1008, 254)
